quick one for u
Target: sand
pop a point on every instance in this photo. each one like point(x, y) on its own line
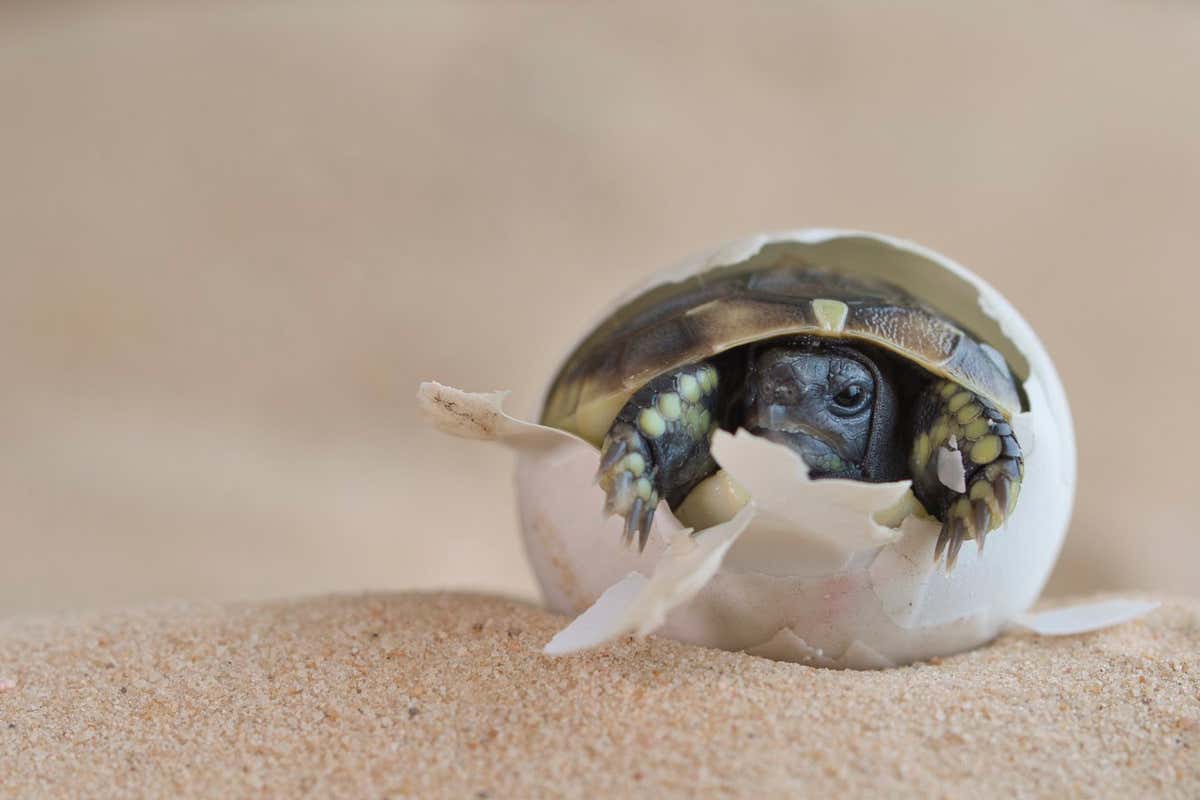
point(419, 695)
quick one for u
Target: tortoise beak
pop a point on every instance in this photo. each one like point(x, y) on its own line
point(828, 438)
point(819, 449)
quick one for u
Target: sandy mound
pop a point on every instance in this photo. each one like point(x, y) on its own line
point(420, 695)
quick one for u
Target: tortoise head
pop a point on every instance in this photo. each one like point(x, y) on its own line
point(830, 403)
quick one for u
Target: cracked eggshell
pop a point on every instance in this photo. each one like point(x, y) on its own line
point(796, 583)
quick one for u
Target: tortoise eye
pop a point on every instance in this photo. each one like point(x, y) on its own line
point(850, 400)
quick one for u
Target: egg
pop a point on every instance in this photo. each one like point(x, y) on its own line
point(761, 558)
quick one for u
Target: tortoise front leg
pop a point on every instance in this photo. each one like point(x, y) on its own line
point(949, 416)
point(658, 447)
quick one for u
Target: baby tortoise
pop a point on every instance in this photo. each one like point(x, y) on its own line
point(854, 375)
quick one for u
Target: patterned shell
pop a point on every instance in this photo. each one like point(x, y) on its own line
point(675, 324)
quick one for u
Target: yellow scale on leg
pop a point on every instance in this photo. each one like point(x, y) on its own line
point(974, 429)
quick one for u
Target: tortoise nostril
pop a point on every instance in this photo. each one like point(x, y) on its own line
point(785, 394)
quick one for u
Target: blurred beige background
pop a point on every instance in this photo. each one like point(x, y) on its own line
point(235, 238)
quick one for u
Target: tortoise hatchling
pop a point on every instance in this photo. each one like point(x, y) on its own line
point(821, 419)
point(852, 373)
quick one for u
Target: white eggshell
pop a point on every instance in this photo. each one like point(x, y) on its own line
point(806, 575)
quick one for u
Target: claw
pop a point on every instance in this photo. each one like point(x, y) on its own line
point(956, 540)
point(982, 518)
point(942, 540)
point(633, 520)
point(645, 534)
point(1001, 488)
point(613, 453)
point(620, 497)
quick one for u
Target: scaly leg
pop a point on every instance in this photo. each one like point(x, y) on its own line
point(657, 448)
point(974, 430)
